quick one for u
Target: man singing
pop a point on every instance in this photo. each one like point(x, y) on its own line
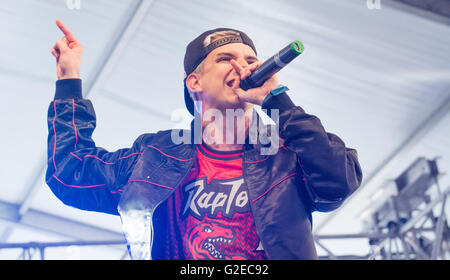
point(217, 194)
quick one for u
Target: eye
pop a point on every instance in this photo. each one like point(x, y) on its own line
point(207, 229)
point(224, 58)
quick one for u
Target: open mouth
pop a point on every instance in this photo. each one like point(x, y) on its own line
point(211, 243)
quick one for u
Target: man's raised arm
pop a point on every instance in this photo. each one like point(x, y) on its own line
point(79, 173)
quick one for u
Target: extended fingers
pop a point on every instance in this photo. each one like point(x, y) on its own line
point(255, 65)
point(243, 72)
point(68, 34)
point(237, 67)
point(61, 45)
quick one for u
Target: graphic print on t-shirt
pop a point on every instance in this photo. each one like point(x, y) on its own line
point(205, 238)
point(214, 215)
point(221, 195)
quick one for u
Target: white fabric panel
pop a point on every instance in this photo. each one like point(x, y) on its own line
point(371, 76)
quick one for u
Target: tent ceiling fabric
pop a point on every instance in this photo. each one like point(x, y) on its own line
point(372, 76)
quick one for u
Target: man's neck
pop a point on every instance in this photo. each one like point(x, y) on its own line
point(227, 133)
point(226, 147)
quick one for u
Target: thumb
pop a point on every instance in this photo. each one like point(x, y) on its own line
point(61, 46)
point(243, 95)
point(239, 92)
point(253, 95)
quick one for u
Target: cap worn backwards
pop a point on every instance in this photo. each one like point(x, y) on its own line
point(196, 52)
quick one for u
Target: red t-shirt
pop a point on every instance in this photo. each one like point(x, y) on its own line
point(211, 212)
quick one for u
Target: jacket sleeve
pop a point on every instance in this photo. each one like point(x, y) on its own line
point(331, 171)
point(79, 173)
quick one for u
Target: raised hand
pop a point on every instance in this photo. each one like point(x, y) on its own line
point(68, 52)
point(254, 95)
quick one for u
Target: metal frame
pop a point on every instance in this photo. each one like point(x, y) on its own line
point(29, 249)
point(44, 222)
point(413, 239)
point(386, 165)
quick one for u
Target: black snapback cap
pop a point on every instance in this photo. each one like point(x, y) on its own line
point(196, 52)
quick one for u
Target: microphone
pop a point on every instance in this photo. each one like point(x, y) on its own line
point(272, 65)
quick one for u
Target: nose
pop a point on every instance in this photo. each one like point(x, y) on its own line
point(242, 62)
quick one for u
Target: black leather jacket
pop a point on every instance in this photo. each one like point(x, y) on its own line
point(312, 170)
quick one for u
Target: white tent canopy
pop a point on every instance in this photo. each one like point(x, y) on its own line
point(378, 78)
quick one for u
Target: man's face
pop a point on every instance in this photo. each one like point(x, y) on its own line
point(219, 77)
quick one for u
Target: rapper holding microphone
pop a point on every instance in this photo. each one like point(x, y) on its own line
point(218, 193)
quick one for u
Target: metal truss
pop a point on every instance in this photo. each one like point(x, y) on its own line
point(30, 249)
point(407, 240)
point(410, 240)
point(409, 224)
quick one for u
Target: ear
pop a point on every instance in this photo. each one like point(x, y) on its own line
point(193, 83)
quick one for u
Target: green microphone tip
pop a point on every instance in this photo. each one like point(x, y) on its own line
point(297, 47)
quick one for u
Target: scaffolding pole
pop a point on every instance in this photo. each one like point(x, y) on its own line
point(30, 248)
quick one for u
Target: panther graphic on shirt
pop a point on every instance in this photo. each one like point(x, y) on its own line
point(206, 237)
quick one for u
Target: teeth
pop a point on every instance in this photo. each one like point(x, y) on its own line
point(209, 245)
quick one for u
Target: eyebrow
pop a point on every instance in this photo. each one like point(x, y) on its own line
point(232, 55)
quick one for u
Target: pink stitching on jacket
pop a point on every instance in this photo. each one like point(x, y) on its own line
point(54, 132)
point(99, 159)
point(121, 191)
point(75, 156)
point(78, 187)
point(162, 186)
point(273, 187)
point(257, 160)
point(151, 146)
point(130, 155)
point(73, 122)
point(93, 156)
